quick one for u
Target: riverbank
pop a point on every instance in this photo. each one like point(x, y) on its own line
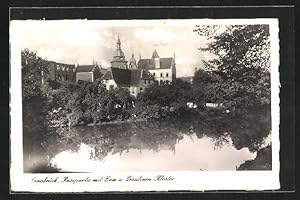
point(263, 160)
point(117, 122)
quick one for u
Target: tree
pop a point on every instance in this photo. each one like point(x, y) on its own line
point(241, 62)
point(34, 102)
point(34, 71)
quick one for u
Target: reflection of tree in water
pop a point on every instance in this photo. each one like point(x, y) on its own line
point(248, 131)
point(251, 130)
point(215, 129)
point(116, 138)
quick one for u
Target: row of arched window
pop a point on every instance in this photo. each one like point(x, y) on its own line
point(63, 68)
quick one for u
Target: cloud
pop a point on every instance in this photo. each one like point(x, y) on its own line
point(156, 35)
point(79, 36)
point(82, 42)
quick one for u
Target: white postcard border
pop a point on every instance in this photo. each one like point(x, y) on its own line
point(183, 180)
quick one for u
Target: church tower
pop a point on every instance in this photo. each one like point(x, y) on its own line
point(132, 63)
point(156, 59)
point(119, 57)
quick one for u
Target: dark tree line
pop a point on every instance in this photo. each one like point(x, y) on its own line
point(241, 64)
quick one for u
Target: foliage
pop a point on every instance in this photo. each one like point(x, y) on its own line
point(166, 100)
point(86, 102)
point(34, 103)
point(34, 69)
point(241, 65)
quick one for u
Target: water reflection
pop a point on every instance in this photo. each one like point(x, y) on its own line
point(187, 144)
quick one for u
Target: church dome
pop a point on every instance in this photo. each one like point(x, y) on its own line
point(119, 53)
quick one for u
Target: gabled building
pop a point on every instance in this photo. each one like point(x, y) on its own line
point(88, 73)
point(162, 69)
point(137, 76)
point(135, 80)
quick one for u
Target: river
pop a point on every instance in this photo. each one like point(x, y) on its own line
point(158, 145)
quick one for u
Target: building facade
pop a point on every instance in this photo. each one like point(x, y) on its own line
point(162, 69)
point(62, 72)
point(88, 73)
point(137, 76)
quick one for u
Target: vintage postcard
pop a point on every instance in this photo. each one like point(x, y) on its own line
point(144, 105)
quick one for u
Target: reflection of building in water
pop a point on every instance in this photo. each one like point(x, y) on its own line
point(136, 76)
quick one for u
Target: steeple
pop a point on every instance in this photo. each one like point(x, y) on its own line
point(156, 59)
point(155, 54)
point(118, 43)
point(119, 57)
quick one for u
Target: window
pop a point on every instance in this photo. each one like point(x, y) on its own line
point(161, 74)
point(167, 75)
point(141, 89)
point(132, 91)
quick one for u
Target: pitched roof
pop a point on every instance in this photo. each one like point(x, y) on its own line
point(155, 54)
point(165, 63)
point(126, 77)
point(107, 75)
point(146, 64)
point(85, 68)
point(121, 76)
point(135, 77)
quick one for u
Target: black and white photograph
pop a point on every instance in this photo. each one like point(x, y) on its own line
point(152, 97)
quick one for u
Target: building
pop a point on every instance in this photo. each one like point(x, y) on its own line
point(135, 80)
point(88, 73)
point(119, 57)
point(61, 72)
point(137, 76)
point(162, 69)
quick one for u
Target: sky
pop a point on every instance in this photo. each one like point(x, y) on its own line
point(88, 41)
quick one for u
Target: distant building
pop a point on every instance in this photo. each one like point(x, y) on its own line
point(188, 79)
point(134, 80)
point(162, 69)
point(136, 76)
point(119, 57)
point(133, 75)
point(88, 73)
point(61, 72)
